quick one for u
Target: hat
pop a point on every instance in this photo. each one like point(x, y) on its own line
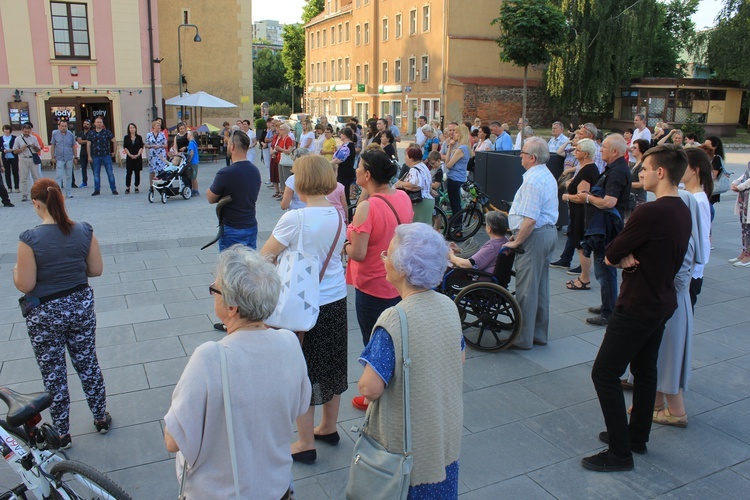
point(86, 121)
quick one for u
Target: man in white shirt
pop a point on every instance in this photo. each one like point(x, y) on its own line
point(519, 138)
point(421, 138)
point(558, 139)
point(641, 130)
point(253, 140)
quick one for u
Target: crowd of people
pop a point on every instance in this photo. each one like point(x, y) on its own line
point(389, 252)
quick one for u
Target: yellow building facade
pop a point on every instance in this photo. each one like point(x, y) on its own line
point(77, 60)
point(220, 64)
point(436, 58)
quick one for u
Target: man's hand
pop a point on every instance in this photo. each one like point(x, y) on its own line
point(627, 262)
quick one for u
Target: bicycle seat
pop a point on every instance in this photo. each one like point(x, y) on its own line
point(22, 407)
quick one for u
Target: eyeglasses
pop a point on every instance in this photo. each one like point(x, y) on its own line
point(525, 153)
point(212, 290)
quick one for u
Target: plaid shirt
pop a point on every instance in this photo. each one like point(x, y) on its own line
point(535, 199)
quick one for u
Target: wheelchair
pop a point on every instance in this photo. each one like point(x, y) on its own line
point(490, 315)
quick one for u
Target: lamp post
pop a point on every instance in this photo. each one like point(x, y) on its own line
point(196, 38)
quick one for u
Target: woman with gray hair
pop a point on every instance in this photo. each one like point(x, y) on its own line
point(431, 143)
point(414, 264)
point(581, 183)
point(496, 225)
point(268, 384)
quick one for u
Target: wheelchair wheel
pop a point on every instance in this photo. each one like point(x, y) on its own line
point(490, 316)
point(465, 224)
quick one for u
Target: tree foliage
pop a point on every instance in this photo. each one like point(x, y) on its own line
point(311, 9)
point(268, 70)
point(609, 42)
point(531, 31)
point(729, 43)
point(293, 54)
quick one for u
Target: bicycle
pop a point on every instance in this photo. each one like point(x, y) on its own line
point(34, 453)
point(467, 222)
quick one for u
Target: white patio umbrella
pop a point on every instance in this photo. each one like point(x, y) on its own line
point(199, 100)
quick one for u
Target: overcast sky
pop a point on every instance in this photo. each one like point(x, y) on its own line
point(291, 11)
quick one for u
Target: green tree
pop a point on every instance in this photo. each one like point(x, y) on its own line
point(729, 43)
point(607, 43)
point(311, 9)
point(531, 32)
point(268, 70)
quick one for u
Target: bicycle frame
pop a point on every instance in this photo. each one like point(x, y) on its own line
point(30, 465)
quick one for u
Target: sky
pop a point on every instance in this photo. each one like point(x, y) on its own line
point(292, 11)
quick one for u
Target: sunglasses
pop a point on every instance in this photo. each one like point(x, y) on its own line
point(212, 290)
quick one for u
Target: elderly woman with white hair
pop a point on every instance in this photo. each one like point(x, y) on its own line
point(282, 144)
point(414, 264)
point(431, 143)
point(575, 195)
point(268, 387)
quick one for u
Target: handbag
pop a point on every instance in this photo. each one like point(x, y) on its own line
point(299, 300)
point(722, 182)
point(286, 160)
point(230, 428)
point(376, 473)
point(414, 196)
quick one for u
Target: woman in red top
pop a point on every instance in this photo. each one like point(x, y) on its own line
point(368, 236)
point(282, 143)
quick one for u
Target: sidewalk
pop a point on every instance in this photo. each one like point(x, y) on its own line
point(529, 416)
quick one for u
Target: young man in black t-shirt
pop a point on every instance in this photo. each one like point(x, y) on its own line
point(649, 250)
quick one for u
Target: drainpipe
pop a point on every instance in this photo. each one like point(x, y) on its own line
point(154, 109)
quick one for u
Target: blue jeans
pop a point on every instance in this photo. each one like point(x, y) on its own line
point(607, 278)
point(368, 309)
point(96, 167)
point(232, 236)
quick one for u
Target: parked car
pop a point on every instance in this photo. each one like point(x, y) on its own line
point(296, 118)
point(338, 122)
point(281, 118)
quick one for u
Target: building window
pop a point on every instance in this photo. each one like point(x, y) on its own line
point(397, 71)
point(358, 35)
point(348, 72)
point(385, 71)
point(312, 41)
point(341, 69)
point(318, 79)
point(413, 22)
point(333, 70)
point(346, 107)
point(426, 18)
point(385, 108)
point(385, 29)
point(412, 69)
point(398, 26)
point(367, 74)
point(317, 35)
point(396, 109)
point(312, 72)
point(325, 72)
point(324, 38)
point(341, 33)
point(367, 33)
point(333, 35)
point(358, 74)
point(70, 30)
point(346, 29)
point(425, 68)
point(359, 4)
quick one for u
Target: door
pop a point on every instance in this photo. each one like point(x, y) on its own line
point(412, 115)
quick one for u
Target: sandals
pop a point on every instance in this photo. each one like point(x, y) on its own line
point(577, 284)
point(657, 409)
point(666, 418)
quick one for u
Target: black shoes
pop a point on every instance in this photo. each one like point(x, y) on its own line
point(573, 271)
point(95, 193)
point(102, 426)
point(606, 462)
point(640, 449)
point(595, 310)
point(305, 457)
point(560, 264)
point(8, 204)
point(114, 191)
point(332, 438)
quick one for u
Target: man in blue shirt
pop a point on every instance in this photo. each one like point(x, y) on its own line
point(101, 154)
point(532, 219)
point(193, 161)
point(62, 148)
point(558, 139)
point(503, 142)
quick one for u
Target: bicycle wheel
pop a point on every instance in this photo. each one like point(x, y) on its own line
point(439, 221)
point(465, 224)
point(76, 480)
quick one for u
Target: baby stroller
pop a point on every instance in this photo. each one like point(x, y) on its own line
point(172, 181)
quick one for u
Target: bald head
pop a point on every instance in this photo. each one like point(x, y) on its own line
point(613, 147)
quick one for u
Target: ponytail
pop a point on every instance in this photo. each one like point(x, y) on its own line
point(48, 192)
point(698, 160)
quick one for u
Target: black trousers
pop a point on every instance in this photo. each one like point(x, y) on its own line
point(629, 339)
point(4, 193)
point(11, 169)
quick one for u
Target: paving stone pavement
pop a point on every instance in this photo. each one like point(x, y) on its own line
point(529, 416)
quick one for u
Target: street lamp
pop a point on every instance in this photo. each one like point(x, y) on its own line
point(196, 38)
